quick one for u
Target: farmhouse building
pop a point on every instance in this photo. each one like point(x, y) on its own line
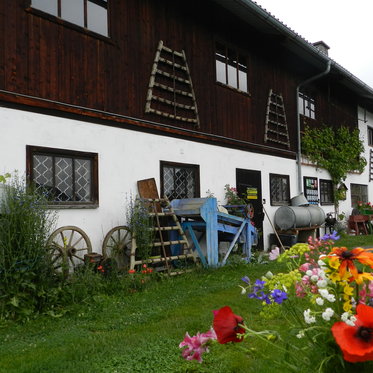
point(98, 94)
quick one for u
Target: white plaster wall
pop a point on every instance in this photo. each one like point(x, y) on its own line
point(127, 156)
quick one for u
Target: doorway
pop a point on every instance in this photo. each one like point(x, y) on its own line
point(249, 182)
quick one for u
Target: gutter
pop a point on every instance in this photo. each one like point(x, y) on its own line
point(299, 152)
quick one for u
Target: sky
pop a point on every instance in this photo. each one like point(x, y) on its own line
point(345, 26)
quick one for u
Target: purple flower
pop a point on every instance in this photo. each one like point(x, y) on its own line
point(333, 237)
point(278, 296)
point(246, 279)
point(259, 285)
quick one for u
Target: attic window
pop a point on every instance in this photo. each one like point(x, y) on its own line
point(306, 105)
point(231, 68)
point(90, 14)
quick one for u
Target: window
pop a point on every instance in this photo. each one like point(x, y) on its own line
point(359, 193)
point(370, 136)
point(231, 68)
point(306, 105)
point(279, 189)
point(91, 14)
point(179, 180)
point(66, 177)
point(326, 192)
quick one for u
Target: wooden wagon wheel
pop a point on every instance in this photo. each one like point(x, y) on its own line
point(68, 245)
point(117, 246)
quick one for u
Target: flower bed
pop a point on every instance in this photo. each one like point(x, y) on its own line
point(326, 296)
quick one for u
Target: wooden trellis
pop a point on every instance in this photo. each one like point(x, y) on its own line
point(276, 128)
point(170, 92)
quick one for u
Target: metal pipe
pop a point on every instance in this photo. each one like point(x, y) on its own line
point(299, 150)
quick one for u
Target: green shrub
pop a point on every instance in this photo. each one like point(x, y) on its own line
point(27, 280)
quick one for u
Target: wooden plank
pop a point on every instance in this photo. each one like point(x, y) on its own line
point(147, 188)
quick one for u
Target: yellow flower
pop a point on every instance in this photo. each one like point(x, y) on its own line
point(334, 262)
point(363, 276)
point(335, 277)
point(348, 290)
point(347, 306)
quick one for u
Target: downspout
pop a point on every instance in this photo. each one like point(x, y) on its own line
point(299, 152)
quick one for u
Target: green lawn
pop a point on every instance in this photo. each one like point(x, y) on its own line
point(141, 331)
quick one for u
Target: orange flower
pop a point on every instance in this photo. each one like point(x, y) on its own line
point(346, 259)
point(226, 325)
point(356, 342)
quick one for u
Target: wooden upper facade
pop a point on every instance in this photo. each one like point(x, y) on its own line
point(77, 71)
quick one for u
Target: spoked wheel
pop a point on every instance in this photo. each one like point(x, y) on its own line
point(117, 246)
point(68, 245)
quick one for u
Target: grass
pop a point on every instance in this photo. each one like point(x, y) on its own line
point(122, 332)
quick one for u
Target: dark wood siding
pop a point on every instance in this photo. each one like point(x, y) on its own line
point(45, 57)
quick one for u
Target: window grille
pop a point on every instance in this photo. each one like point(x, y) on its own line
point(179, 181)
point(64, 176)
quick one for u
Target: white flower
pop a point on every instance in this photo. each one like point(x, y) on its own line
point(322, 283)
point(314, 278)
point(350, 322)
point(321, 264)
point(319, 301)
point(348, 318)
point(331, 298)
point(243, 291)
point(308, 318)
point(345, 316)
point(322, 274)
point(327, 314)
point(324, 293)
point(300, 334)
point(309, 273)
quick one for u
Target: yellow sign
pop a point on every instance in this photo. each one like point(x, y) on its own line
point(252, 193)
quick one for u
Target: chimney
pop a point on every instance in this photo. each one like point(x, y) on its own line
point(322, 47)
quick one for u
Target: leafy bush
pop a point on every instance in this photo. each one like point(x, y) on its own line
point(27, 282)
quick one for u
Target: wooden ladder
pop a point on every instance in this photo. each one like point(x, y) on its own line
point(170, 91)
point(159, 208)
point(276, 129)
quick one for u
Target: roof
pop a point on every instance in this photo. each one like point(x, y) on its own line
point(259, 18)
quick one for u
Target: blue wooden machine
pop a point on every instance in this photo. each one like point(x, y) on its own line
point(202, 215)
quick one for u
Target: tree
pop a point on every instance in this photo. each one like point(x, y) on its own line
point(338, 151)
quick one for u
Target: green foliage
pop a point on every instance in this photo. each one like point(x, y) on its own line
point(140, 222)
point(25, 269)
point(336, 150)
point(232, 197)
point(108, 330)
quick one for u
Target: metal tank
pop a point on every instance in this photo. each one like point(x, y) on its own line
point(288, 217)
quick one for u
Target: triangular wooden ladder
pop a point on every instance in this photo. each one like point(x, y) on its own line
point(156, 212)
point(170, 92)
point(276, 129)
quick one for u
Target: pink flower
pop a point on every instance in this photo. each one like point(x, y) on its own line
point(305, 267)
point(196, 345)
point(274, 254)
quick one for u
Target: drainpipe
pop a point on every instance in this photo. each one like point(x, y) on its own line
point(299, 153)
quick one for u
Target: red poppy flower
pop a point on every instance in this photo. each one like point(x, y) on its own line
point(226, 325)
point(346, 258)
point(356, 342)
